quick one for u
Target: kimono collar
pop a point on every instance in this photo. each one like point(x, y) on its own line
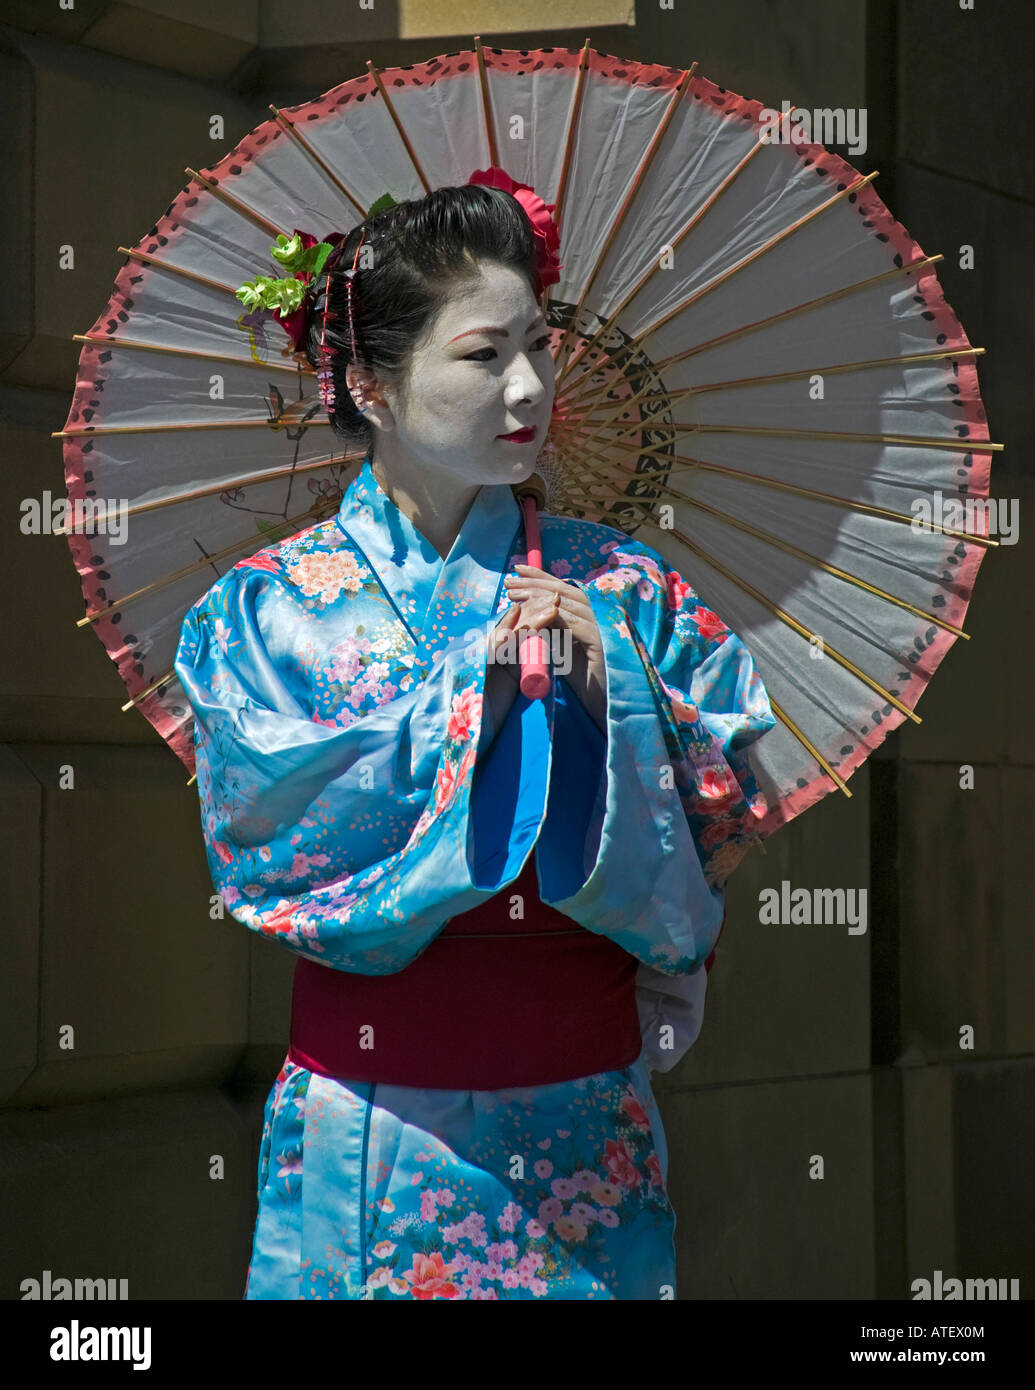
point(438, 600)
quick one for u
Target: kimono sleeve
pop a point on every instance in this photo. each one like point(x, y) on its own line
point(679, 805)
point(346, 844)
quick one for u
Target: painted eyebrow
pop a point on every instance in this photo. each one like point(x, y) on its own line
point(501, 331)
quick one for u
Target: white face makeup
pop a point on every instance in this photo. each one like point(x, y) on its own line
point(483, 369)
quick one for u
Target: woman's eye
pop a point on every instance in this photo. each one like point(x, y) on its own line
point(539, 346)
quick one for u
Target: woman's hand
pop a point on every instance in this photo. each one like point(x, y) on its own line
point(571, 609)
point(503, 675)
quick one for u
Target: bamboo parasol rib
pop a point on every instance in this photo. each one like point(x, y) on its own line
point(728, 274)
point(694, 221)
point(236, 205)
point(295, 368)
point(781, 613)
point(796, 732)
point(630, 198)
point(684, 464)
point(574, 392)
point(623, 403)
point(289, 126)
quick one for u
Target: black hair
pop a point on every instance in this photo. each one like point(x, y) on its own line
point(421, 252)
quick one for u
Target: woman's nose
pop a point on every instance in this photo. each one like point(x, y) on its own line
point(523, 388)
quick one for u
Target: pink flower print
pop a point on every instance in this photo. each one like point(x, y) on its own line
point(510, 1279)
point(290, 1163)
point(654, 1168)
point(560, 568)
point(466, 714)
point(475, 1223)
point(466, 763)
point(645, 589)
point(709, 624)
point(280, 920)
point(582, 1212)
point(383, 1249)
point(549, 1210)
point(608, 546)
point(564, 1134)
point(617, 580)
point(223, 851)
point(620, 1163)
point(535, 1229)
point(608, 1218)
point(380, 1277)
point(445, 784)
point(428, 1210)
point(605, 1194)
point(325, 576)
point(508, 1220)
point(445, 1197)
point(539, 1287)
point(416, 1179)
point(262, 561)
point(677, 589)
point(344, 664)
point(429, 1277)
point(584, 1179)
point(542, 1168)
point(568, 1229)
point(632, 1107)
point(718, 783)
point(685, 711)
point(508, 1250)
point(564, 1188)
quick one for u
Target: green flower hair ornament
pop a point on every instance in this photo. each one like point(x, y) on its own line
point(302, 257)
point(286, 295)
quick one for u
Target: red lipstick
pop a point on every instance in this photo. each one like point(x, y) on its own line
point(519, 436)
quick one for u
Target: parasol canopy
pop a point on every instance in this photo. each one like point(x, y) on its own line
point(757, 375)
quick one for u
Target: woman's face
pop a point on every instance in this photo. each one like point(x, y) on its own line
point(483, 369)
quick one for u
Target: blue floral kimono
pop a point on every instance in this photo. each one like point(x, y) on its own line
point(349, 780)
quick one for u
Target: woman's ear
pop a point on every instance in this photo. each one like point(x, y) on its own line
point(369, 395)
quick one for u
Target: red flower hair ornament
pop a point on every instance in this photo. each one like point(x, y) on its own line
point(548, 238)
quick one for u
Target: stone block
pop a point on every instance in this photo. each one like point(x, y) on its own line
point(19, 1022)
point(965, 918)
point(956, 67)
point(125, 1189)
point(110, 140)
point(154, 991)
point(750, 1221)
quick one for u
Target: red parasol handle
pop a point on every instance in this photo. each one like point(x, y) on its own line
point(535, 672)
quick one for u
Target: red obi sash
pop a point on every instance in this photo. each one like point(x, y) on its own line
point(491, 1003)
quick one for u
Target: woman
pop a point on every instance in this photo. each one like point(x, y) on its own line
point(502, 909)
